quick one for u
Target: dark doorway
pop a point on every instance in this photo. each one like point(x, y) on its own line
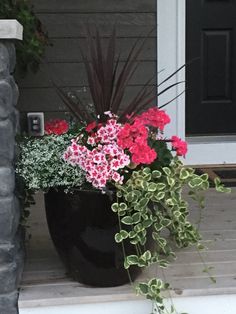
point(211, 72)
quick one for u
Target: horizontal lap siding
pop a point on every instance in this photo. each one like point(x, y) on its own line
point(90, 6)
point(64, 21)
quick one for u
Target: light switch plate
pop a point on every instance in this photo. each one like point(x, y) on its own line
point(35, 123)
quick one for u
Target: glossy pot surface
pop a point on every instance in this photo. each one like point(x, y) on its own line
point(82, 227)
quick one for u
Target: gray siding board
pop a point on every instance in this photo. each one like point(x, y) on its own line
point(67, 49)
point(72, 25)
point(73, 74)
point(95, 5)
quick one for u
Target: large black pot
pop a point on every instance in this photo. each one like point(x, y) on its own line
point(82, 226)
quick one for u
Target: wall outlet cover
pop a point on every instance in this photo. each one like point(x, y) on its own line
point(35, 123)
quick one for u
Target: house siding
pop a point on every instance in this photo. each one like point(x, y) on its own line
point(64, 21)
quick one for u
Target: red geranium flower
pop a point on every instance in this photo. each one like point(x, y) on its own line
point(179, 145)
point(91, 126)
point(56, 126)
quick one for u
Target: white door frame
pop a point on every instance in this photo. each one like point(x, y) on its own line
point(171, 27)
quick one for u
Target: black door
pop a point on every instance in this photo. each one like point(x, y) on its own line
point(211, 73)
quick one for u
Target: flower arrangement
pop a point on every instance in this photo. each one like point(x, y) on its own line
point(107, 151)
point(126, 151)
point(134, 157)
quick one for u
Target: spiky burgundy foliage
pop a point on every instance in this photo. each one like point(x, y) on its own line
point(108, 79)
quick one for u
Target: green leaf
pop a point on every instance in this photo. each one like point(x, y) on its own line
point(143, 287)
point(147, 223)
point(159, 196)
point(129, 197)
point(197, 181)
point(152, 187)
point(126, 265)
point(204, 176)
point(158, 227)
point(146, 170)
point(115, 207)
point(124, 234)
point(127, 220)
point(156, 174)
point(132, 259)
point(144, 185)
point(136, 218)
point(156, 235)
point(119, 194)
point(132, 234)
point(146, 255)
point(220, 187)
point(167, 171)
point(170, 181)
point(201, 246)
point(161, 186)
point(184, 174)
point(118, 238)
point(162, 242)
point(165, 222)
point(143, 202)
point(123, 206)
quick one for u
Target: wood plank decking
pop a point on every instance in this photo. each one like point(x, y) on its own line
point(45, 282)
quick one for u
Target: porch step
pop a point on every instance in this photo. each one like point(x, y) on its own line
point(223, 304)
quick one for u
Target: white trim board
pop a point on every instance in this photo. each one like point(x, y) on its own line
point(171, 44)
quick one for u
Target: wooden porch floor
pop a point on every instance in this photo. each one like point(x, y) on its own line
point(45, 282)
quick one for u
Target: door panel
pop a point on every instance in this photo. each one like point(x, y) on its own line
point(211, 67)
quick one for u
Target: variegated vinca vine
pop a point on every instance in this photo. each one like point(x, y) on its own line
point(153, 217)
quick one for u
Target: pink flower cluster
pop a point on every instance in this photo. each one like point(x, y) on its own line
point(103, 161)
point(179, 145)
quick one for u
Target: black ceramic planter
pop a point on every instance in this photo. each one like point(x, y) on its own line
point(82, 226)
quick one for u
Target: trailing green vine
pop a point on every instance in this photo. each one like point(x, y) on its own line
point(31, 49)
point(151, 203)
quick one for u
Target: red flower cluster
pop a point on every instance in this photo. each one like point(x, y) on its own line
point(131, 134)
point(91, 126)
point(56, 126)
point(154, 117)
point(179, 145)
point(134, 137)
point(143, 154)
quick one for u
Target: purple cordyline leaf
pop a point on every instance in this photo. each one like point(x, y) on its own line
point(110, 70)
point(94, 84)
point(170, 76)
point(167, 103)
point(100, 69)
point(113, 82)
point(92, 68)
point(121, 91)
point(138, 100)
point(124, 76)
point(169, 87)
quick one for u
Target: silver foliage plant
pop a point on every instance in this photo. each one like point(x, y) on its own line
point(41, 165)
